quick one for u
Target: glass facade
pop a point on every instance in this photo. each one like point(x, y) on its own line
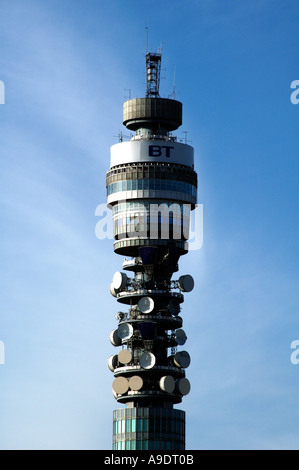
point(158, 171)
point(151, 184)
point(154, 220)
point(145, 205)
point(148, 429)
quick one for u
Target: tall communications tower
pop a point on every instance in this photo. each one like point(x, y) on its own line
point(151, 189)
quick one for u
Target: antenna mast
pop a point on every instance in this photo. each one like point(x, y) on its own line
point(153, 68)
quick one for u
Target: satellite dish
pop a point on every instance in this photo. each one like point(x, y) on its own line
point(135, 383)
point(174, 307)
point(167, 383)
point(120, 385)
point(182, 359)
point(180, 337)
point(114, 338)
point(146, 305)
point(186, 283)
point(119, 281)
point(183, 386)
point(112, 290)
point(125, 331)
point(147, 360)
point(112, 362)
point(125, 356)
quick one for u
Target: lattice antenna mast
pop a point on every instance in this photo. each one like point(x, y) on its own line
point(153, 69)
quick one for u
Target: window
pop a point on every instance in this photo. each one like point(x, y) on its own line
point(139, 445)
point(156, 445)
point(139, 425)
point(152, 184)
point(145, 445)
point(133, 425)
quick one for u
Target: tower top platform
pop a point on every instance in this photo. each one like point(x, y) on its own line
point(155, 113)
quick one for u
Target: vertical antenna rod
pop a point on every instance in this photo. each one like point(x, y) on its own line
point(173, 93)
point(146, 39)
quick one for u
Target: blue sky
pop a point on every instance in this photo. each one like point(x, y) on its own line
point(67, 67)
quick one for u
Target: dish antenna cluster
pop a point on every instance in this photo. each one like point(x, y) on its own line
point(150, 361)
point(145, 333)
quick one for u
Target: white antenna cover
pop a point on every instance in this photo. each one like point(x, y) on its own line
point(120, 385)
point(125, 356)
point(112, 362)
point(146, 305)
point(182, 359)
point(119, 281)
point(167, 383)
point(135, 383)
point(125, 331)
point(186, 283)
point(183, 386)
point(114, 338)
point(112, 290)
point(147, 360)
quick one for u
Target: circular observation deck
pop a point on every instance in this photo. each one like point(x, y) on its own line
point(155, 113)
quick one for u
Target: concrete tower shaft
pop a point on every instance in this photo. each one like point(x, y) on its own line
point(151, 189)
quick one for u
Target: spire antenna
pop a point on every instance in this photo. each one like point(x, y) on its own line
point(146, 27)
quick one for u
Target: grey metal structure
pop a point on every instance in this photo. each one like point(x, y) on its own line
point(151, 189)
point(153, 69)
